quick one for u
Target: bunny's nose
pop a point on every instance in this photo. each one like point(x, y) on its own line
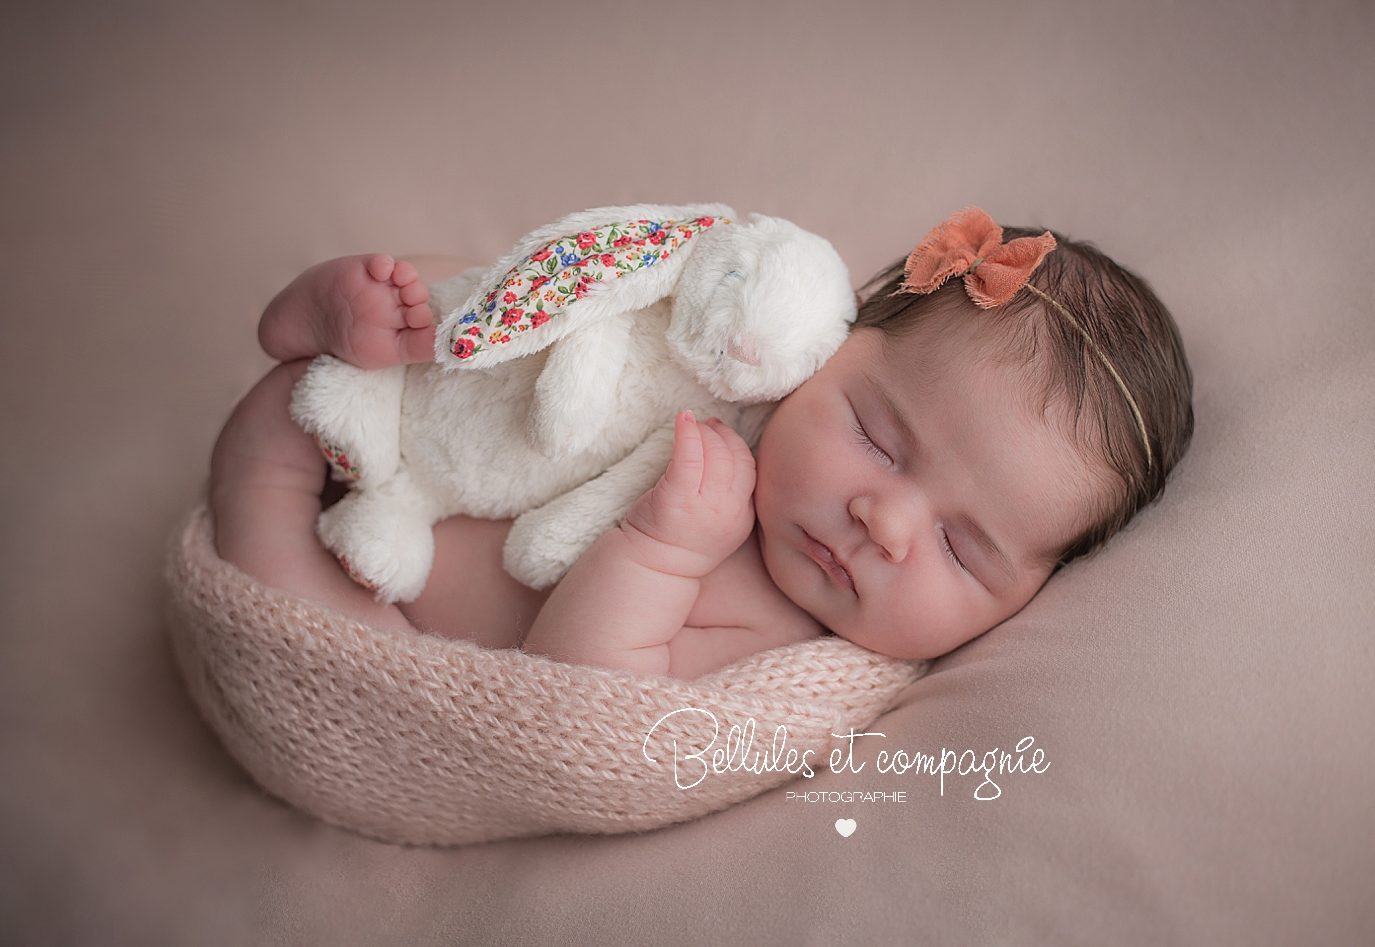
point(743, 349)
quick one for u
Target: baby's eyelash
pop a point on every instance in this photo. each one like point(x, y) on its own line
point(950, 550)
point(868, 441)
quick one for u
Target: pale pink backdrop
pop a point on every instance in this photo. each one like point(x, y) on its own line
point(1202, 687)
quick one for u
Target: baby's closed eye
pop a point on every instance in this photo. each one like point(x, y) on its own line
point(950, 551)
point(862, 435)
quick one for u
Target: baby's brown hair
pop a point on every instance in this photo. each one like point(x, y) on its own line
point(1129, 324)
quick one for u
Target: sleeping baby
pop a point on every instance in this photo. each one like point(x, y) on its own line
point(1006, 401)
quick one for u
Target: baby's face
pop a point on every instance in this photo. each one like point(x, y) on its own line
point(977, 458)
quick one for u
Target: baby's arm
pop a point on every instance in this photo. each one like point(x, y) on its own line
point(626, 598)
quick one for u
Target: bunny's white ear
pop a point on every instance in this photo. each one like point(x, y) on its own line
point(587, 265)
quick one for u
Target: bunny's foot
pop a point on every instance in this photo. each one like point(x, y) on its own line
point(264, 493)
point(370, 311)
point(383, 539)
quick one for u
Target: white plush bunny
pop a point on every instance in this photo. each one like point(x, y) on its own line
point(623, 316)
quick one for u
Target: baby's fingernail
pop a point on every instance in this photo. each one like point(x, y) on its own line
point(689, 415)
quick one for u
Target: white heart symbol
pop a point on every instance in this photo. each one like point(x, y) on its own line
point(846, 827)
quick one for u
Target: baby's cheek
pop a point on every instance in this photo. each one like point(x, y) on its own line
point(959, 620)
point(763, 492)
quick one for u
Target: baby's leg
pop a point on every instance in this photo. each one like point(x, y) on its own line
point(469, 594)
point(266, 475)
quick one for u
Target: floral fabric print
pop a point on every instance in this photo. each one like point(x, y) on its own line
point(342, 468)
point(561, 272)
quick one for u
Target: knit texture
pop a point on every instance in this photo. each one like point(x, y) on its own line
point(426, 740)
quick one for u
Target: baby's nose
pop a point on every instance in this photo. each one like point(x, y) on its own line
point(887, 526)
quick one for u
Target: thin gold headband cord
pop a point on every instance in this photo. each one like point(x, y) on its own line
point(1131, 402)
point(971, 233)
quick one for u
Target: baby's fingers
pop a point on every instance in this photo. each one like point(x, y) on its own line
point(729, 463)
point(685, 469)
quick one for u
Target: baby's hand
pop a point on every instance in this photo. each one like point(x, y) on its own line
point(702, 508)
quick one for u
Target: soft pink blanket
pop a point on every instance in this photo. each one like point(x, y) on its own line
point(420, 739)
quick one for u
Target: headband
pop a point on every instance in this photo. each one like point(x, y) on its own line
point(970, 244)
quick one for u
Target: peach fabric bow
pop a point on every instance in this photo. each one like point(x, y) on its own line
point(970, 243)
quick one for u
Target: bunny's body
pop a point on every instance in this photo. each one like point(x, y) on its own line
point(567, 435)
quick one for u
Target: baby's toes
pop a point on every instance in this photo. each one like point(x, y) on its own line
point(380, 267)
point(416, 345)
point(413, 294)
point(404, 274)
point(418, 317)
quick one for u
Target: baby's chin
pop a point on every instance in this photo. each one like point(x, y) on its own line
point(903, 650)
point(859, 641)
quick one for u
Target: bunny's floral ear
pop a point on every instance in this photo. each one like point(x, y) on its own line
point(526, 310)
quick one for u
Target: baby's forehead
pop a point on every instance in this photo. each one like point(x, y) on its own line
point(984, 416)
point(964, 352)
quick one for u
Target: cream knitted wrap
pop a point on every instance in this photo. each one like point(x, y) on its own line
point(427, 740)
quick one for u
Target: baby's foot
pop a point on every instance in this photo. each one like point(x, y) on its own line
point(369, 311)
